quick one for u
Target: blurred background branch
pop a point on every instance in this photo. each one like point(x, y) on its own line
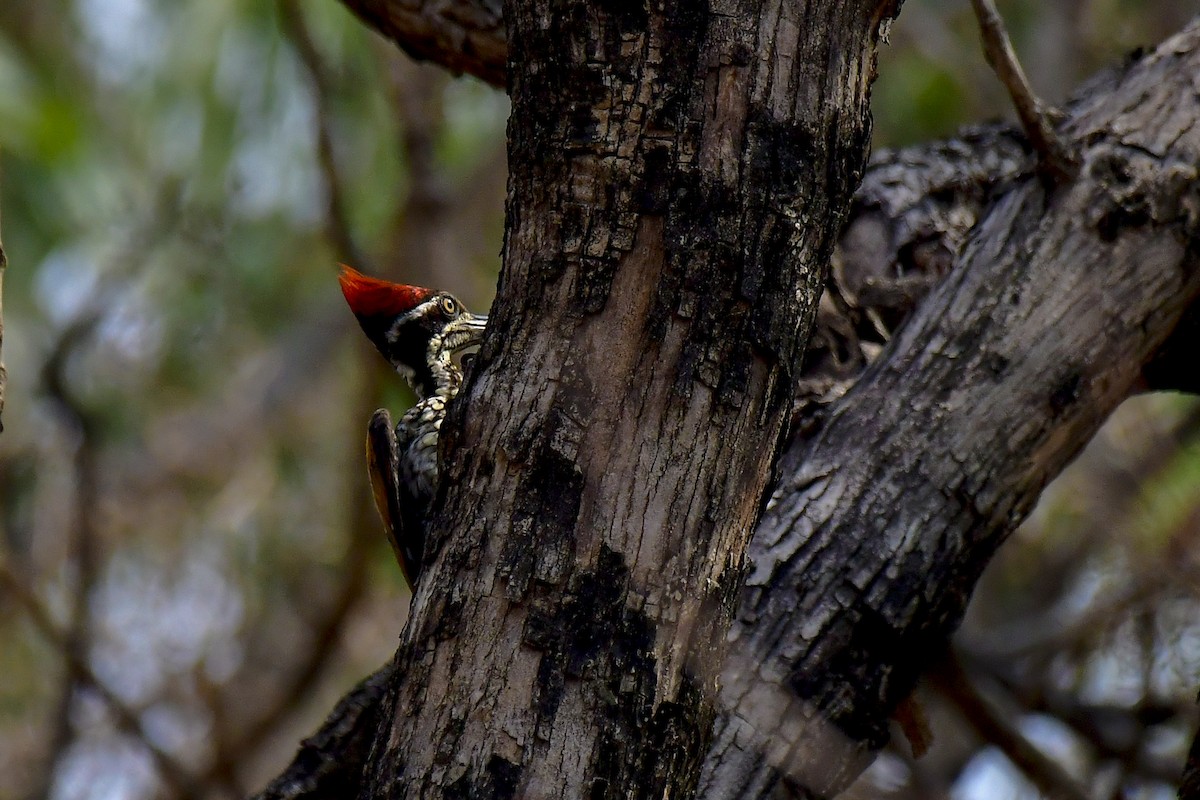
point(463, 36)
point(128, 720)
point(79, 428)
point(337, 221)
point(3, 371)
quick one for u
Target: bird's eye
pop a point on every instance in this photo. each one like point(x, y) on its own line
point(449, 306)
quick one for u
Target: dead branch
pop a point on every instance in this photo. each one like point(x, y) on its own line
point(1056, 162)
point(464, 36)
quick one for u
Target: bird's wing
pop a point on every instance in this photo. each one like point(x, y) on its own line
point(383, 465)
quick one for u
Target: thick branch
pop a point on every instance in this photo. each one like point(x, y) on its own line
point(909, 218)
point(464, 36)
point(892, 509)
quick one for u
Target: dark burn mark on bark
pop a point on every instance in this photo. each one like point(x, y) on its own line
point(686, 24)
point(446, 623)
point(547, 504)
point(1066, 392)
point(735, 377)
point(653, 194)
point(498, 782)
point(1119, 218)
point(593, 284)
point(643, 749)
point(592, 630)
point(665, 748)
point(849, 690)
point(631, 15)
point(996, 365)
point(782, 155)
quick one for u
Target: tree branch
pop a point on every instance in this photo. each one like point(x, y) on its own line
point(890, 511)
point(1055, 161)
point(337, 222)
point(464, 36)
point(993, 725)
point(80, 429)
point(330, 762)
point(585, 550)
point(172, 772)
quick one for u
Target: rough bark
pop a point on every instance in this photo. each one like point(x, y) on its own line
point(330, 762)
point(865, 562)
point(678, 176)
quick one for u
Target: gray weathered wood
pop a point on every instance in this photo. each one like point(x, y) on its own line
point(890, 511)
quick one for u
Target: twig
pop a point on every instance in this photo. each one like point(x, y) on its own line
point(1092, 723)
point(173, 773)
point(352, 587)
point(1054, 162)
point(83, 538)
point(337, 221)
point(993, 726)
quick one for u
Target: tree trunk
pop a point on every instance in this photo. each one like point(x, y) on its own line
point(678, 177)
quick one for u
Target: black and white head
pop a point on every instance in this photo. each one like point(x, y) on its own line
point(425, 335)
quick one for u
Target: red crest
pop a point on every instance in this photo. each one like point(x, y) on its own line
point(370, 297)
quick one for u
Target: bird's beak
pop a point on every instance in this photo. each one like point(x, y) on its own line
point(463, 337)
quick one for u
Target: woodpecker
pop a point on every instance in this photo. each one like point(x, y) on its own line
point(427, 336)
